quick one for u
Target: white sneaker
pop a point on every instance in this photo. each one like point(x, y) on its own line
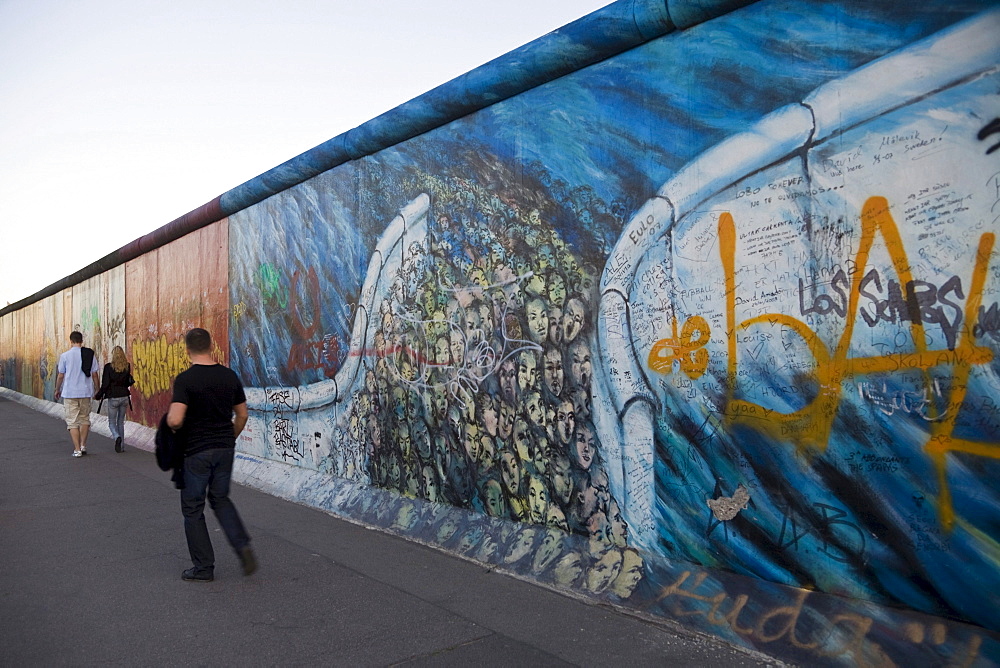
point(77, 453)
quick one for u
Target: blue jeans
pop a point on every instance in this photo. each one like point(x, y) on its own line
point(116, 416)
point(207, 473)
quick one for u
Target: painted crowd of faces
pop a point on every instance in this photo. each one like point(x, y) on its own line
point(549, 554)
point(477, 393)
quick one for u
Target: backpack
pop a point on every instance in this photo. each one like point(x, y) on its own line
point(87, 360)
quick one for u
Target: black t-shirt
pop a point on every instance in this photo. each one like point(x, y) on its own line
point(209, 392)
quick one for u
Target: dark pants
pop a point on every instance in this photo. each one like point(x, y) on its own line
point(208, 473)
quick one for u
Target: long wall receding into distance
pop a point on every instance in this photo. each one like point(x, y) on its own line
point(689, 307)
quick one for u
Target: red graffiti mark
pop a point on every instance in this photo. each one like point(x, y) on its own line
point(322, 354)
point(310, 352)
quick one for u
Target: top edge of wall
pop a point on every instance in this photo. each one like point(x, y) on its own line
point(618, 27)
point(607, 32)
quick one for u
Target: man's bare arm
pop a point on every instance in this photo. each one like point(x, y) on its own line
point(242, 415)
point(175, 416)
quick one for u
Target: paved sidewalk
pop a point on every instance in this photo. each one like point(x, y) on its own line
point(91, 551)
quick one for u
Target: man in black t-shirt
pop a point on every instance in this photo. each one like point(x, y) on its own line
point(205, 398)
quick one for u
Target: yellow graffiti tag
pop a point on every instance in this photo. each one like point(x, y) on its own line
point(239, 310)
point(846, 633)
point(687, 350)
point(156, 363)
point(811, 425)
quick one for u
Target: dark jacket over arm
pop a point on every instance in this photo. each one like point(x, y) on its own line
point(170, 451)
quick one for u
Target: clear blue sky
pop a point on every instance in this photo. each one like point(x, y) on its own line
point(117, 117)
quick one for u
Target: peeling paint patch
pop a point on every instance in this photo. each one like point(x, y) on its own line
point(727, 507)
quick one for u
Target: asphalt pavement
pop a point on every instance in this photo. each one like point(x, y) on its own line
point(92, 549)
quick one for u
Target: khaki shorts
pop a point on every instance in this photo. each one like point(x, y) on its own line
point(77, 412)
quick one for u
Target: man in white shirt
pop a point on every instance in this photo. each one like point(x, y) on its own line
point(77, 389)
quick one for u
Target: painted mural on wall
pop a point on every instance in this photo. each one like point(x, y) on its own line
point(468, 376)
point(468, 393)
point(709, 328)
point(811, 360)
point(296, 264)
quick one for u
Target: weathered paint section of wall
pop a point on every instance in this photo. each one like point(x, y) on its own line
point(170, 290)
point(32, 339)
point(99, 311)
point(707, 329)
point(55, 340)
point(39, 333)
point(31, 328)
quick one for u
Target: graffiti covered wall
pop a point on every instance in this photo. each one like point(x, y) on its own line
point(707, 329)
point(808, 307)
point(39, 333)
point(171, 290)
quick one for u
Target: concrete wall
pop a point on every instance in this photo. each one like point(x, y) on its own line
point(705, 326)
